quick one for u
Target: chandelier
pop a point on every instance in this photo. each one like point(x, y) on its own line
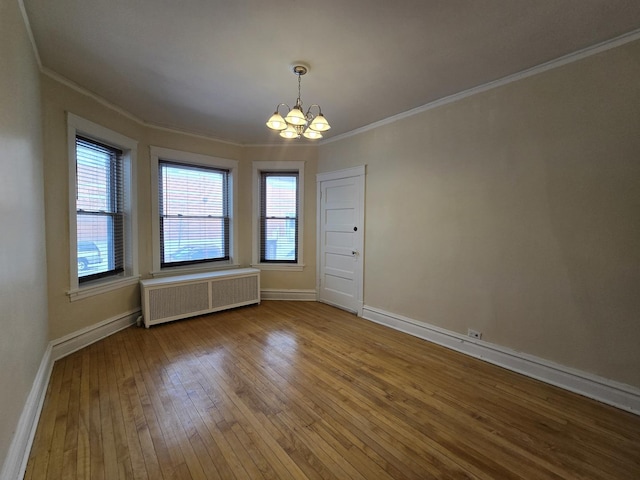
point(296, 123)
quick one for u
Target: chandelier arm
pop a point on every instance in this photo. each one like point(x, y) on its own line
point(314, 105)
point(281, 104)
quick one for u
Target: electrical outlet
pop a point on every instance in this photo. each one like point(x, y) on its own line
point(474, 334)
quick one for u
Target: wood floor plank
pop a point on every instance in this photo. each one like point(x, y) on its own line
point(297, 390)
point(114, 375)
point(104, 417)
point(37, 466)
point(56, 459)
point(135, 425)
point(93, 417)
point(73, 409)
point(136, 394)
point(83, 465)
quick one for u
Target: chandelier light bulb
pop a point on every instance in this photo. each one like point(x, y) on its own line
point(312, 134)
point(289, 132)
point(296, 117)
point(276, 122)
point(320, 124)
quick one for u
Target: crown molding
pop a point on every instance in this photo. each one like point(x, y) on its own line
point(543, 67)
point(32, 39)
point(88, 93)
point(203, 136)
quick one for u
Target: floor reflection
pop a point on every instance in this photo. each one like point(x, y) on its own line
point(281, 349)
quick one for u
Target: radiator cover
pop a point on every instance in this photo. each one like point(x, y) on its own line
point(177, 297)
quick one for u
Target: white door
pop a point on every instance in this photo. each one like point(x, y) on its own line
point(341, 238)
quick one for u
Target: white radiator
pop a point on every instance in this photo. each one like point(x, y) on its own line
point(172, 298)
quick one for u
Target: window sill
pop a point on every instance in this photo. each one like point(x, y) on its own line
point(167, 272)
point(100, 287)
point(288, 267)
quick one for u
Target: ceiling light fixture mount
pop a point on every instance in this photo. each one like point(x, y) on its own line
point(296, 123)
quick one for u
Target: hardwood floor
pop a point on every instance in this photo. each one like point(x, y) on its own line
point(294, 390)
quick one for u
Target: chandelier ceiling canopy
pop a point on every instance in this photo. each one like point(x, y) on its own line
point(296, 123)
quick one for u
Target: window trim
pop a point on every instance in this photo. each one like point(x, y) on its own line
point(188, 158)
point(79, 126)
point(275, 167)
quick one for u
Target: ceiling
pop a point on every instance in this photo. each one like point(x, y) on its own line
point(220, 67)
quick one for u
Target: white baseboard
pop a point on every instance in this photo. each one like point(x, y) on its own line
point(68, 344)
point(296, 295)
point(598, 388)
point(16, 462)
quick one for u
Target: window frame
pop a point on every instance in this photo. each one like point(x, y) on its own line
point(276, 167)
point(77, 126)
point(159, 154)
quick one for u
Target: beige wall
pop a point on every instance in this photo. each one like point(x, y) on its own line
point(515, 212)
point(23, 293)
point(67, 317)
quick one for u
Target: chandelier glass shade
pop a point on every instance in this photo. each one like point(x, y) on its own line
point(296, 123)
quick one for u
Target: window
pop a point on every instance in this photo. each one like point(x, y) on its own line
point(193, 227)
point(102, 214)
point(279, 217)
point(99, 210)
point(194, 214)
point(278, 195)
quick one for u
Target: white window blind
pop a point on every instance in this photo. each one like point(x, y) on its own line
point(194, 214)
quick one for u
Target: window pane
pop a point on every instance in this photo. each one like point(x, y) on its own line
point(193, 238)
point(93, 244)
point(280, 238)
point(93, 178)
point(281, 196)
point(194, 221)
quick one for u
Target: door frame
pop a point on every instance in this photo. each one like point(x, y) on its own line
point(359, 171)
